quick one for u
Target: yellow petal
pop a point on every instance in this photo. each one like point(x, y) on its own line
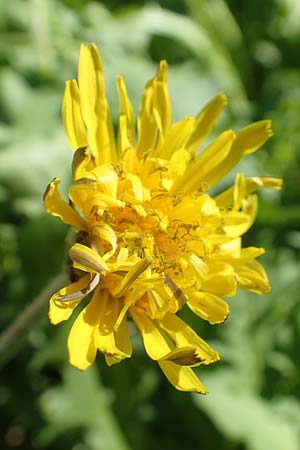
point(252, 276)
point(203, 167)
point(131, 276)
point(124, 142)
point(86, 259)
point(100, 233)
point(184, 336)
point(72, 118)
point(81, 160)
point(221, 280)
point(182, 378)
point(161, 99)
point(252, 137)
point(122, 343)
point(146, 123)
point(155, 343)
point(225, 199)
point(126, 108)
point(178, 163)
point(176, 137)
point(248, 140)
point(107, 179)
point(236, 223)
point(60, 311)
point(94, 105)
point(115, 344)
point(81, 345)
point(208, 307)
point(55, 205)
point(206, 120)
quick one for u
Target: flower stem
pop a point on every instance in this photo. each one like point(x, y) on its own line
point(12, 339)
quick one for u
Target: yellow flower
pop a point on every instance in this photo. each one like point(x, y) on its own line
point(151, 239)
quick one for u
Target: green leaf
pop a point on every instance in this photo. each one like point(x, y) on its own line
point(246, 418)
point(81, 401)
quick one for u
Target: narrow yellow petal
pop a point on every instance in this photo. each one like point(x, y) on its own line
point(115, 344)
point(126, 108)
point(131, 276)
point(248, 140)
point(122, 343)
point(208, 307)
point(252, 137)
point(55, 205)
point(81, 345)
point(176, 137)
point(124, 142)
point(204, 166)
point(182, 378)
point(161, 99)
point(206, 120)
point(146, 123)
point(94, 104)
point(72, 118)
point(60, 311)
point(155, 343)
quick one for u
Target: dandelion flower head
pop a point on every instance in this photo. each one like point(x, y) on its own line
point(151, 238)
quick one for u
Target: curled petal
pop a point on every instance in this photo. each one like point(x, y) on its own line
point(55, 205)
point(184, 356)
point(184, 336)
point(81, 160)
point(86, 259)
point(60, 310)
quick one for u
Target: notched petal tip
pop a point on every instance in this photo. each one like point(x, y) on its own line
point(49, 191)
point(162, 71)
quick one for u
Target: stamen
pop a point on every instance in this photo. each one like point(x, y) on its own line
point(131, 276)
point(81, 293)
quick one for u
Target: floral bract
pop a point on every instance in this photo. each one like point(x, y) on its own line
point(151, 239)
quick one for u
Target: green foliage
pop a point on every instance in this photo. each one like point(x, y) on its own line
point(249, 50)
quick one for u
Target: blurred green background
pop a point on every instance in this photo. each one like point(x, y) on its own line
point(251, 51)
